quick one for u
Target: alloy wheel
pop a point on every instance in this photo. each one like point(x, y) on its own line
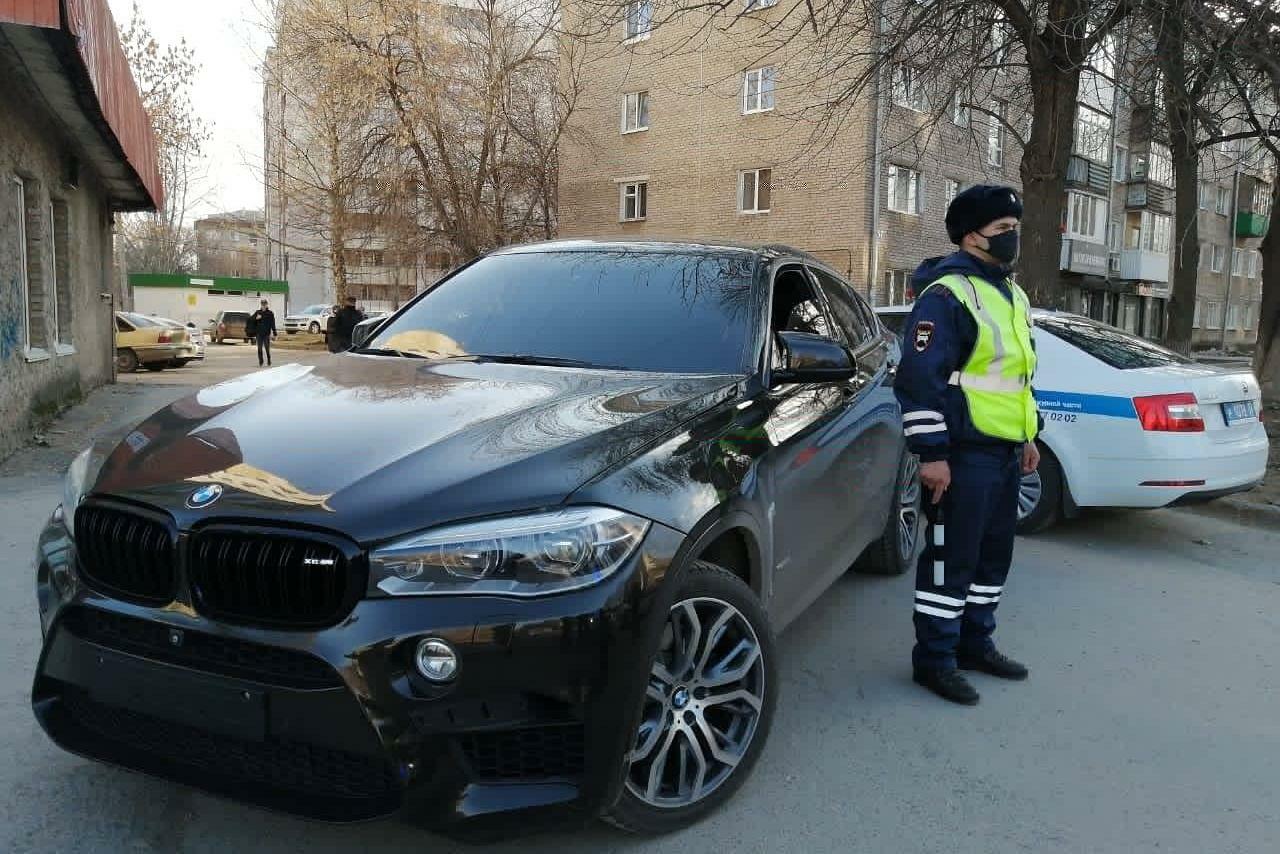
point(1029, 491)
point(909, 507)
point(702, 704)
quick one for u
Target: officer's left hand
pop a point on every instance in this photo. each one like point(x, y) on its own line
point(1030, 457)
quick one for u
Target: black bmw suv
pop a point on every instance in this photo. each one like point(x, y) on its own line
point(521, 554)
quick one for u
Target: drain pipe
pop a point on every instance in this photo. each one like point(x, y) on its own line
point(877, 130)
point(1231, 262)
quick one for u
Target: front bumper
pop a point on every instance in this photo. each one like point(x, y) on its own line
point(335, 724)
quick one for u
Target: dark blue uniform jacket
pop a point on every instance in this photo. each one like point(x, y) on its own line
point(938, 339)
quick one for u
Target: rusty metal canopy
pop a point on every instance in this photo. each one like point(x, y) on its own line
point(73, 61)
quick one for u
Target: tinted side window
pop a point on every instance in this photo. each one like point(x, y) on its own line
point(1108, 344)
point(848, 309)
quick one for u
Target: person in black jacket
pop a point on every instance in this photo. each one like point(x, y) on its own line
point(263, 326)
point(344, 324)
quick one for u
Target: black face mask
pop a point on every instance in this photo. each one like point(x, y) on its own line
point(1004, 247)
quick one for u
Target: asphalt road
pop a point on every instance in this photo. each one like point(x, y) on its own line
point(1151, 721)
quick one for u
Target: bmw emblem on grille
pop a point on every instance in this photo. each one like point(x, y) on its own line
point(204, 496)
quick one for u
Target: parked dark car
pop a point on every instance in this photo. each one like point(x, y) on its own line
point(569, 495)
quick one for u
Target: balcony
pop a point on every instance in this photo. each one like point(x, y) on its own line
point(1143, 194)
point(1085, 174)
point(1141, 265)
point(1081, 256)
point(1250, 224)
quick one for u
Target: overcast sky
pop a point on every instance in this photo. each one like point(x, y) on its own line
point(228, 42)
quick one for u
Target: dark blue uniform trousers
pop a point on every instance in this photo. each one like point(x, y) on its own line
point(968, 550)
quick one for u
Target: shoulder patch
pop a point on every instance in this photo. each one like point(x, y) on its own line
point(923, 335)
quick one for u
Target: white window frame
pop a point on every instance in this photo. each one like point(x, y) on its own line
point(961, 112)
point(905, 88)
point(1202, 200)
point(915, 183)
point(1213, 312)
point(637, 188)
point(1255, 263)
point(1219, 259)
point(995, 136)
point(1262, 198)
point(999, 40)
point(1092, 136)
point(1160, 164)
point(950, 189)
point(1090, 211)
point(757, 5)
point(639, 26)
point(1120, 164)
point(24, 305)
point(1197, 319)
point(1238, 261)
point(755, 201)
point(1222, 201)
point(766, 85)
point(635, 105)
point(1234, 316)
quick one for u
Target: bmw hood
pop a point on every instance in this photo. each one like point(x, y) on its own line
point(375, 447)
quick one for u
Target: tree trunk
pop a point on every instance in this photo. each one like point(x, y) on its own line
point(1171, 42)
point(1266, 358)
point(1055, 80)
point(337, 221)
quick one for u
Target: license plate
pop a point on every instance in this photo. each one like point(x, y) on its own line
point(1239, 410)
point(205, 702)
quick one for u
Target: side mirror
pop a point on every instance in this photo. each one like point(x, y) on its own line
point(809, 358)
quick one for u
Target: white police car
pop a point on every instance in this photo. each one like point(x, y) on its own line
point(1131, 424)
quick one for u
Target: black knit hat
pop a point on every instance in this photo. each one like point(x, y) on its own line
point(978, 207)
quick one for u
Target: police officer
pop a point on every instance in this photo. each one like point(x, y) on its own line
point(968, 412)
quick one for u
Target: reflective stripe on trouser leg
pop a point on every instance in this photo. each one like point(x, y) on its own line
point(939, 553)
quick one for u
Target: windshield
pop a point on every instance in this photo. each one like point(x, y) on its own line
point(1113, 346)
point(634, 309)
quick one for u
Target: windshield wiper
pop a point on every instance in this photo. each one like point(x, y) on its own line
point(528, 359)
point(387, 351)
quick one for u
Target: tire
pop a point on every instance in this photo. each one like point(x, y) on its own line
point(126, 361)
point(895, 551)
point(709, 594)
point(314, 328)
point(1039, 511)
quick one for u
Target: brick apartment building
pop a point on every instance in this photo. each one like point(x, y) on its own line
point(232, 244)
point(702, 142)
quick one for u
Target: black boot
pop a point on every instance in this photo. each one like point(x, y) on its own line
point(994, 663)
point(948, 684)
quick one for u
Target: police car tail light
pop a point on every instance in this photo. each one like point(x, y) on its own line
point(1169, 413)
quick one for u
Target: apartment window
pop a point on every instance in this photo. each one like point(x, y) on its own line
point(1237, 262)
point(1213, 314)
point(755, 190)
point(32, 274)
point(1219, 258)
point(961, 112)
point(895, 286)
point(1121, 164)
point(1160, 165)
point(995, 136)
point(1196, 320)
point(60, 272)
point(753, 5)
point(639, 18)
point(1093, 134)
point(907, 89)
point(1223, 205)
point(1262, 198)
point(1250, 316)
point(635, 112)
point(1087, 217)
point(1234, 317)
point(904, 190)
point(1205, 253)
point(1149, 232)
point(1203, 196)
point(634, 201)
point(950, 189)
point(999, 43)
point(757, 90)
point(1255, 263)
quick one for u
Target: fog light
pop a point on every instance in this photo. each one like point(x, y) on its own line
point(436, 660)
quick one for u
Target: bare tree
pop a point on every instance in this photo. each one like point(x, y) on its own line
point(161, 241)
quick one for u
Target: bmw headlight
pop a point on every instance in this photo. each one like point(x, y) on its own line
point(517, 556)
point(73, 488)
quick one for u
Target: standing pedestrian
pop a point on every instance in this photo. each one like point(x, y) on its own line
point(344, 325)
point(968, 412)
point(263, 327)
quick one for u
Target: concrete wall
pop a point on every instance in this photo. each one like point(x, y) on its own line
point(74, 355)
